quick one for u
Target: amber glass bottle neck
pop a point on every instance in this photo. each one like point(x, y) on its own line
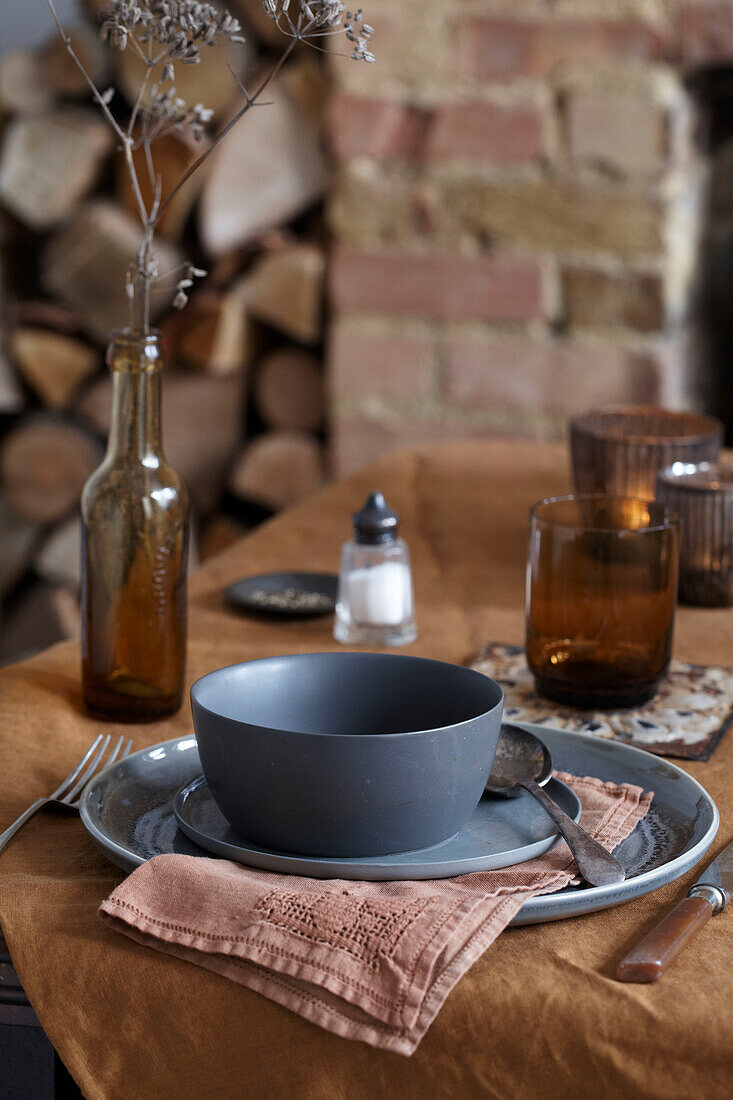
point(135, 362)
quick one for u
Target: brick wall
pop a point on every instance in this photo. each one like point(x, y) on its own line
point(514, 214)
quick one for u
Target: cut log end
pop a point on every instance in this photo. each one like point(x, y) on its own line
point(278, 469)
point(213, 335)
point(49, 163)
point(285, 290)
point(85, 265)
point(53, 364)
point(44, 464)
point(272, 176)
point(289, 390)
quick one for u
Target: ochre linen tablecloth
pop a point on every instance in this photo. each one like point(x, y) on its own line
point(538, 1015)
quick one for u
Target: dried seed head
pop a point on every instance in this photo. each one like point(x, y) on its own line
point(185, 283)
point(320, 19)
point(180, 26)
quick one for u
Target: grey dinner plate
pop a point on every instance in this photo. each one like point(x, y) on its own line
point(128, 810)
point(500, 833)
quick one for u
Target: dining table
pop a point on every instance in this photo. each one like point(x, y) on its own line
point(540, 1014)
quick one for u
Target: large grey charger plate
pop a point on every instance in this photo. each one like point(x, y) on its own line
point(128, 810)
point(500, 833)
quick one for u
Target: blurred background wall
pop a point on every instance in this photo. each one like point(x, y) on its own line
point(521, 210)
point(518, 210)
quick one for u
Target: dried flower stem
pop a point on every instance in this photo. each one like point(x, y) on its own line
point(251, 100)
point(140, 97)
point(92, 86)
point(155, 181)
point(145, 250)
point(182, 28)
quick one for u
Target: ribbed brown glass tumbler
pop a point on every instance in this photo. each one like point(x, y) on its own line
point(702, 496)
point(601, 592)
point(618, 449)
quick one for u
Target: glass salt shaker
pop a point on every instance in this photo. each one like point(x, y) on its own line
point(375, 598)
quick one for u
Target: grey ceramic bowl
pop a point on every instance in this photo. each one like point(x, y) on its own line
point(346, 754)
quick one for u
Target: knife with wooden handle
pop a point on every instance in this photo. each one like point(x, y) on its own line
point(711, 893)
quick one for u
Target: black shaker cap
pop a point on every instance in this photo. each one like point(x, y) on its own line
point(376, 522)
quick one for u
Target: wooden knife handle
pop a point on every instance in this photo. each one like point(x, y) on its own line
point(649, 959)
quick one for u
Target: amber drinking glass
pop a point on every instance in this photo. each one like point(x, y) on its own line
point(601, 592)
point(134, 550)
point(617, 450)
point(702, 496)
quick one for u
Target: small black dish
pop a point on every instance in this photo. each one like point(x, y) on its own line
point(285, 595)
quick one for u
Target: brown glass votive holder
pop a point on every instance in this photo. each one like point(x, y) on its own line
point(702, 496)
point(601, 595)
point(617, 450)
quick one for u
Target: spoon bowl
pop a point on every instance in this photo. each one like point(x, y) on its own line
point(519, 756)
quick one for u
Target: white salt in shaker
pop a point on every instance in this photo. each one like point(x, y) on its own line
point(375, 600)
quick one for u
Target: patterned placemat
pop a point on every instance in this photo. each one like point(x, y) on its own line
point(686, 718)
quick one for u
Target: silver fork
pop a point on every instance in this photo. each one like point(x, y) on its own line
point(66, 795)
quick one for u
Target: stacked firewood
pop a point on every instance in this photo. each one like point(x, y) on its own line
point(243, 387)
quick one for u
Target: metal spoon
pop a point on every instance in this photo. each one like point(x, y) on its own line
point(522, 761)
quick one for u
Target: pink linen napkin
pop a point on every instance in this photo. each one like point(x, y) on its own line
point(373, 961)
